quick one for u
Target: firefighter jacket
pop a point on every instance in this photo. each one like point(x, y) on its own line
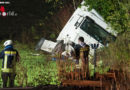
point(9, 56)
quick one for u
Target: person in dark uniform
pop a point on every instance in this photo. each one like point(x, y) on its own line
point(10, 56)
point(82, 52)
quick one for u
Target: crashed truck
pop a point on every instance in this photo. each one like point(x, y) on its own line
point(85, 23)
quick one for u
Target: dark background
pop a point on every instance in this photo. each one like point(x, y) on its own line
point(36, 19)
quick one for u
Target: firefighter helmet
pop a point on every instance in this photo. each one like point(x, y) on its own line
point(8, 42)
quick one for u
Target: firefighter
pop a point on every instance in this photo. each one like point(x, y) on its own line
point(82, 52)
point(10, 56)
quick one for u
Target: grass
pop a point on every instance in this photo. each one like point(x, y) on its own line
point(33, 70)
point(36, 68)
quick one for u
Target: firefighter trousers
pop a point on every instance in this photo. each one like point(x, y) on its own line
point(8, 77)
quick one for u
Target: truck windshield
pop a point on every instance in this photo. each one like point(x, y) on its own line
point(97, 32)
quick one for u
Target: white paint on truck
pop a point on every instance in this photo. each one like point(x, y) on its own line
point(88, 24)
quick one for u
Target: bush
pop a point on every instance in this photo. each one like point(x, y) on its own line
point(117, 55)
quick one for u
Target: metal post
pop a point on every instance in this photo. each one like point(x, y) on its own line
point(95, 57)
point(94, 46)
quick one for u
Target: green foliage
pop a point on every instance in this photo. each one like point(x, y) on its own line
point(33, 69)
point(49, 76)
point(100, 68)
point(56, 3)
point(117, 55)
point(52, 1)
point(52, 36)
point(114, 11)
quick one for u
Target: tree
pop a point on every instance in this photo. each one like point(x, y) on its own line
point(116, 12)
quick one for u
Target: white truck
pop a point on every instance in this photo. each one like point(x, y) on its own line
point(85, 23)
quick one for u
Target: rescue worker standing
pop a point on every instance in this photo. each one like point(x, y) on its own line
point(10, 56)
point(82, 52)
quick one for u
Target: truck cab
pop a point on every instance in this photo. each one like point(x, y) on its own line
point(85, 23)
